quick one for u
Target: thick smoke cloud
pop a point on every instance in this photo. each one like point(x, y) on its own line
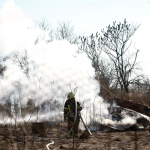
point(54, 69)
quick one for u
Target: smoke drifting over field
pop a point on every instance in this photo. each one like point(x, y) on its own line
point(51, 70)
point(54, 69)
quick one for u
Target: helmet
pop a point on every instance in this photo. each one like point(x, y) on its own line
point(70, 95)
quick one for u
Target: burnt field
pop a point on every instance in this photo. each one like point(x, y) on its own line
point(22, 137)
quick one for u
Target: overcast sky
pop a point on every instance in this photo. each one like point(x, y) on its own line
point(90, 16)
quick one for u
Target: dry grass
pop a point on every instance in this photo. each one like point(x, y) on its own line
point(16, 139)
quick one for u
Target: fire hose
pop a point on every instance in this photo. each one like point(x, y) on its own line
point(85, 125)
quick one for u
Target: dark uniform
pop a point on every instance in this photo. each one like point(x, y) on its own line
point(69, 113)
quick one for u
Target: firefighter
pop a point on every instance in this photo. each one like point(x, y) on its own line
point(69, 113)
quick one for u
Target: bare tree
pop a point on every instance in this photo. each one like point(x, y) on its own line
point(114, 42)
point(105, 75)
point(2, 69)
point(66, 31)
point(22, 61)
point(2, 63)
point(140, 91)
point(45, 26)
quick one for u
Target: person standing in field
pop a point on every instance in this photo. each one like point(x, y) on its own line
point(69, 114)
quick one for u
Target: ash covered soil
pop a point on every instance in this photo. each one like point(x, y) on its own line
point(22, 138)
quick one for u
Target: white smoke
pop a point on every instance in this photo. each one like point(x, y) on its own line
point(54, 68)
